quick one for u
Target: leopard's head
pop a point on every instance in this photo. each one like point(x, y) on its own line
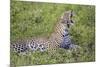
point(66, 19)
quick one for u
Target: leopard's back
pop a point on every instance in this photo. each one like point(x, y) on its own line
point(32, 45)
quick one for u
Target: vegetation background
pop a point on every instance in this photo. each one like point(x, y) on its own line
point(32, 19)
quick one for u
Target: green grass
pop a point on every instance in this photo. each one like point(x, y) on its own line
point(30, 19)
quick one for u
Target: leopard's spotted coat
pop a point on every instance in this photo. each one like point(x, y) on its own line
point(54, 41)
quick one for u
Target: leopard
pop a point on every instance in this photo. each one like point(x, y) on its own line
point(60, 38)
